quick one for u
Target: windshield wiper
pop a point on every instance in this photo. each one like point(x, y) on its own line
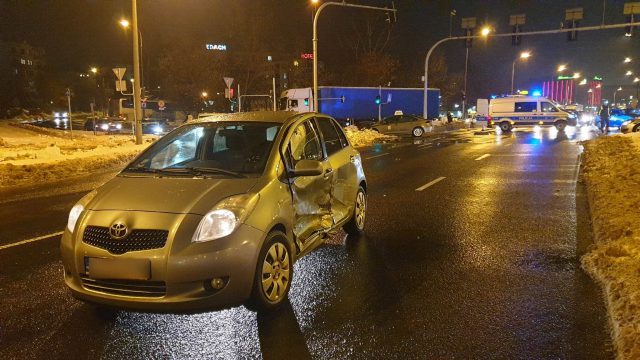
point(200, 171)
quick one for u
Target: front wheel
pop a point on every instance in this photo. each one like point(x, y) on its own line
point(561, 125)
point(417, 132)
point(636, 128)
point(505, 126)
point(355, 225)
point(274, 273)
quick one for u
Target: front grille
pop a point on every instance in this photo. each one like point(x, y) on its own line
point(141, 288)
point(138, 239)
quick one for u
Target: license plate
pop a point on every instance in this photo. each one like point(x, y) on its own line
point(125, 269)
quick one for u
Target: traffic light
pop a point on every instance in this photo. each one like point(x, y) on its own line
point(572, 18)
point(306, 102)
point(468, 42)
point(631, 13)
point(516, 22)
point(468, 24)
point(378, 100)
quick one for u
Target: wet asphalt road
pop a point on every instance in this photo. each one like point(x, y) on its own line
point(481, 264)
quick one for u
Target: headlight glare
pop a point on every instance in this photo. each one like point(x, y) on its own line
point(625, 123)
point(225, 217)
point(74, 214)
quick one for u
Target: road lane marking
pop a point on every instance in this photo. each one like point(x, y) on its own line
point(430, 183)
point(483, 157)
point(424, 145)
point(43, 237)
point(375, 156)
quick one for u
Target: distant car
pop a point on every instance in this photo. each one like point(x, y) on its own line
point(617, 117)
point(110, 125)
point(402, 124)
point(155, 127)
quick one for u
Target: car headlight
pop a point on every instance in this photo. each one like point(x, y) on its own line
point(625, 123)
point(56, 114)
point(118, 126)
point(157, 129)
point(74, 214)
point(104, 127)
point(225, 217)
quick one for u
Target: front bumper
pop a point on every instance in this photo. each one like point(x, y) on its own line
point(180, 272)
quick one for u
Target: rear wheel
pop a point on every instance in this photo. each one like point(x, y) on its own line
point(636, 128)
point(505, 126)
point(274, 273)
point(417, 132)
point(561, 125)
point(355, 225)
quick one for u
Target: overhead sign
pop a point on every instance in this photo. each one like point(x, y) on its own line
point(161, 105)
point(218, 47)
point(307, 56)
point(119, 72)
point(228, 81)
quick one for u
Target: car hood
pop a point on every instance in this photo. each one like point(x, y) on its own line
point(167, 194)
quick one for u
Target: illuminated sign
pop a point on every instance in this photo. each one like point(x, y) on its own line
point(565, 77)
point(307, 56)
point(597, 78)
point(219, 47)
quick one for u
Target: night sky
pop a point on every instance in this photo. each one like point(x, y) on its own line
point(77, 34)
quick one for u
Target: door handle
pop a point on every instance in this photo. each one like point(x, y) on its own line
point(328, 172)
point(352, 158)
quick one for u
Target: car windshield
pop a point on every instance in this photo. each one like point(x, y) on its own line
point(214, 148)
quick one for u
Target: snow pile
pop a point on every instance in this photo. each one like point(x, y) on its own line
point(612, 176)
point(366, 137)
point(30, 155)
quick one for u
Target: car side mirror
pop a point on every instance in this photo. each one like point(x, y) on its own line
point(306, 168)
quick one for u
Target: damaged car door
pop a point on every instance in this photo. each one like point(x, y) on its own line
point(311, 193)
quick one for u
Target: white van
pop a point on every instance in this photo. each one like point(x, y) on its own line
point(516, 110)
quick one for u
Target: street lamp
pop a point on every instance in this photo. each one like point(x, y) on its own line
point(94, 70)
point(562, 68)
point(629, 73)
point(576, 75)
point(485, 31)
point(204, 94)
point(124, 23)
point(614, 94)
point(627, 60)
point(524, 56)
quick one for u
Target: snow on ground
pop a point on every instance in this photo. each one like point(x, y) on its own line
point(612, 176)
point(365, 137)
point(30, 154)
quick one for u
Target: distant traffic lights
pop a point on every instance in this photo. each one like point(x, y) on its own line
point(516, 22)
point(572, 19)
point(468, 24)
point(631, 13)
point(378, 101)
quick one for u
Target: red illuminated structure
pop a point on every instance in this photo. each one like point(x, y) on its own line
point(560, 91)
point(566, 91)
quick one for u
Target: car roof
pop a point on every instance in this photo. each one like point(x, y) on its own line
point(253, 116)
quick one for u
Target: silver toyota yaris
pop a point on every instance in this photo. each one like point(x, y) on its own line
point(215, 213)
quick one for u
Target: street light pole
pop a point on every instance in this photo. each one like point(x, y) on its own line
point(614, 95)
point(513, 74)
point(315, 39)
point(137, 109)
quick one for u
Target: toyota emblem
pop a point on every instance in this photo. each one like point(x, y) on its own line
point(118, 231)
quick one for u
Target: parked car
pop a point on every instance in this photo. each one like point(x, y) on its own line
point(632, 125)
point(215, 213)
point(617, 117)
point(402, 124)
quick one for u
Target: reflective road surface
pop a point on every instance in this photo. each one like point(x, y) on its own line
point(471, 251)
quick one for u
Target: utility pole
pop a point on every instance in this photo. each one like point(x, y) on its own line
point(464, 90)
point(68, 93)
point(137, 109)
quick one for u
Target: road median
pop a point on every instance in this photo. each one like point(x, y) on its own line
point(611, 173)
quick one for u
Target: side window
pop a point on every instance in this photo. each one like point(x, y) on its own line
point(529, 106)
point(293, 103)
point(547, 107)
point(406, 119)
point(341, 135)
point(305, 143)
point(330, 135)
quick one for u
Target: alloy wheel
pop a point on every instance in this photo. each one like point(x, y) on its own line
point(361, 210)
point(276, 272)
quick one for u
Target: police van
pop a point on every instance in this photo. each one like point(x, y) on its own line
point(511, 111)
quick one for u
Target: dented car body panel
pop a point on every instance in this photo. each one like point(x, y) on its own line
point(138, 241)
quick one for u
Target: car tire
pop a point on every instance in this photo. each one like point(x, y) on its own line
point(561, 125)
point(375, 129)
point(355, 225)
point(417, 131)
point(636, 128)
point(271, 284)
point(505, 126)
